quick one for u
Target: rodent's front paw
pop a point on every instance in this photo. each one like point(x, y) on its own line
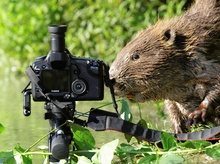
point(198, 114)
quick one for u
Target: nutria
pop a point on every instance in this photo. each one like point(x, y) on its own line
point(177, 60)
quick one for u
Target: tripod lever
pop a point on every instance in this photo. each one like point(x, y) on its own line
point(27, 102)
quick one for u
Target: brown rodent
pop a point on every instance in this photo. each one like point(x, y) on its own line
point(177, 60)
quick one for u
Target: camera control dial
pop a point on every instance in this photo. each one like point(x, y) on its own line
point(78, 87)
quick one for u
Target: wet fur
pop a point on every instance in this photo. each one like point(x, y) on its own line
point(177, 60)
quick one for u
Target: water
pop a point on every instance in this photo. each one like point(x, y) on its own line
point(27, 130)
point(19, 129)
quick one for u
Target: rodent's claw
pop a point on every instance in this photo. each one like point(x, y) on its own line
point(194, 117)
point(189, 122)
point(203, 115)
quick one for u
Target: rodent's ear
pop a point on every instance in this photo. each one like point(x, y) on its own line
point(169, 36)
point(172, 38)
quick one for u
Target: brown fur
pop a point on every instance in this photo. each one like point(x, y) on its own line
point(177, 60)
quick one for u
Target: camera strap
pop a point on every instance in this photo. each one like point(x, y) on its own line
point(35, 79)
point(109, 83)
point(100, 120)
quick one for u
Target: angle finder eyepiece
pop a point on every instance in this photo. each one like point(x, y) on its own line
point(57, 34)
point(57, 56)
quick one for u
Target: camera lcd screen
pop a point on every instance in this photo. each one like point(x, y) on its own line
point(55, 80)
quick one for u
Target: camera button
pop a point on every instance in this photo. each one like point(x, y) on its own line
point(66, 96)
point(94, 69)
point(43, 66)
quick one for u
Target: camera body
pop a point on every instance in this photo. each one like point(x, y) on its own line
point(65, 77)
point(81, 79)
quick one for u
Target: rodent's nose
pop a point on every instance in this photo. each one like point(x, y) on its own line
point(111, 73)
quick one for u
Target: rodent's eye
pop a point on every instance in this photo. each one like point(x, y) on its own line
point(135, 57)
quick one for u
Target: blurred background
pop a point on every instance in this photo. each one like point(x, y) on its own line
point(96, 28)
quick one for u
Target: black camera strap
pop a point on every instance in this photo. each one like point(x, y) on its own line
point(100, 120)
point(35, 79)
point(109, 83)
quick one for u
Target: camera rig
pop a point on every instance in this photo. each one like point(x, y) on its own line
point(60, 79)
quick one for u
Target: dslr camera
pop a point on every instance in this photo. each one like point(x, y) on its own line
point(65, 77)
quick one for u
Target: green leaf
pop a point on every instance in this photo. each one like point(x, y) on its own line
point(187, 144)
point(106, 153)
point(142, 123)
point(168, 141)
point(2, 128)
point(6, 157)
point(128, 137)
point(125, 112)
point(18, 150)
point(195, 144)
point(123, 150)
point(171, 159)
point(148, 159)
point(82, 137)
point(214, 152)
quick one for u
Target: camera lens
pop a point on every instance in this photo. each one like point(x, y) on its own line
point(78, 87)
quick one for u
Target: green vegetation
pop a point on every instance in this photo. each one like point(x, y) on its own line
point(97, 29)
point(168, 150)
